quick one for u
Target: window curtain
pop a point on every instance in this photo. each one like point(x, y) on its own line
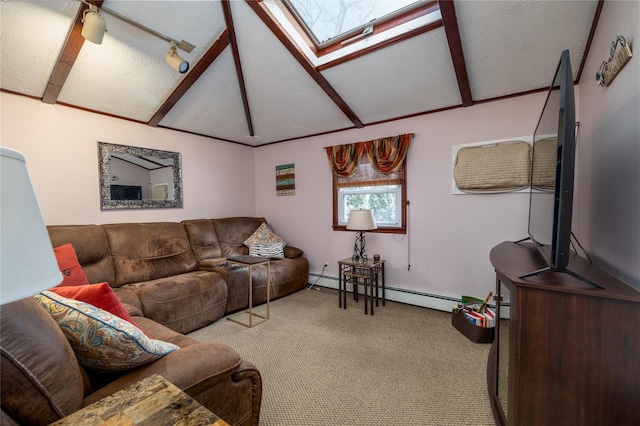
point(386, 155)
point(343, 159)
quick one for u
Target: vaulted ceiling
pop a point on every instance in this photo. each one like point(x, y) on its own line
point(251, 82)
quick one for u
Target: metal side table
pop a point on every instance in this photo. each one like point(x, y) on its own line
point(368, 273)
point(250, 262)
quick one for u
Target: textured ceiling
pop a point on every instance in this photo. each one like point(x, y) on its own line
point(276, 90)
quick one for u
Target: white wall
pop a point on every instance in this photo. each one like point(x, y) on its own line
point(608, 168)
point(61, 148)
point(450, 235)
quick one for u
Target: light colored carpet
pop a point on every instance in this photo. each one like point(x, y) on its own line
point(321, 365)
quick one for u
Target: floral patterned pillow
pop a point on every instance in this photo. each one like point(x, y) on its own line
point(101, 340)
point(264, 235)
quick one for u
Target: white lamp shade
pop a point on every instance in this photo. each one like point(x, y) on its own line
point(361, 220)
point(27, 262)
point(94, 26)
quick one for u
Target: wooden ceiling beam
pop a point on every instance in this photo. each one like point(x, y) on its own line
point(587, 48)
point(67, 58)
point(228, 17)
point(450, 21)
point(265, 15)
point(189, 80)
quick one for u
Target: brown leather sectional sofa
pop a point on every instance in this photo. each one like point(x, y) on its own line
point(172, 278)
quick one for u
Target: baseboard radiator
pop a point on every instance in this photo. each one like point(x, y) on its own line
point(410, 297)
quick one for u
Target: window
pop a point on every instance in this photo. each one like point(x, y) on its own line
point(384, 194)
point(326, 21)
point(328, 25)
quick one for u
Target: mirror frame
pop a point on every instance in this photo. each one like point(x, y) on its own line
point(106, 203)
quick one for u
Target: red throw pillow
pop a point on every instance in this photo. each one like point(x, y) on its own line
point(99, 295)
point(72, 272)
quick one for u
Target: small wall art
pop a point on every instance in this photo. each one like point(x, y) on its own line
point(285, 179)
point(620, 53)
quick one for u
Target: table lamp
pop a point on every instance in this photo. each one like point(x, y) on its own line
point(27, 262)
point(360, 220)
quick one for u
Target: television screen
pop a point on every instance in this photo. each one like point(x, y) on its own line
point(552, 169)
point(126, 192)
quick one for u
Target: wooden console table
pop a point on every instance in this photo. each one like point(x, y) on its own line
point(152, 401)
point(568, 352)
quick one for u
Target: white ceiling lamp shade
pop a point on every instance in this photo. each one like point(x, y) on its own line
point(93, 25)
point(27, 262)
point(175, 60)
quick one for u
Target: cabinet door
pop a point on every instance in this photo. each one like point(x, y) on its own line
point(502, 353)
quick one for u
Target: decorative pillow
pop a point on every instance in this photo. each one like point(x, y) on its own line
point(101, 340)
point(99, 295)
point(265, 243)
point(72, 272)
point(270, 250)
point(264, 235)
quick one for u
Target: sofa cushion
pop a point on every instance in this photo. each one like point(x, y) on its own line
point(233, 231)
point(72, 272)
point(183, 302)
point(287, 276)
point(91, 246)
point(41, 379)
point(203, 238)
point(148, 251)
point(99, 295)
point(101, 340)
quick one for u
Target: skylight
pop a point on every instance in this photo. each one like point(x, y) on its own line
point(328, 21)
point(331, 32)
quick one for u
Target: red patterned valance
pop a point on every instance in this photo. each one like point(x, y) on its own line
point(386, 155)
point(343, 159)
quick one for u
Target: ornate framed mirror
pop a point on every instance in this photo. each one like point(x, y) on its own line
point(138, 178)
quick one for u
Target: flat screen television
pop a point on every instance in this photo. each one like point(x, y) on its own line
point(126, 192)
point(552, 174)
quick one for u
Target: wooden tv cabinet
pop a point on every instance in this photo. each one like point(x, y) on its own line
point(569, 353)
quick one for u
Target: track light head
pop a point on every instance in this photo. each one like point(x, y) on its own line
point(175, 60)
point(93, 25)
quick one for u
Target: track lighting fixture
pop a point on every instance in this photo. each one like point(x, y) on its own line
point(175, 60)
point(93, 25)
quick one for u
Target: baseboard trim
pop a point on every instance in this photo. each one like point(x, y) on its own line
point(410, 297)
point(426, 300)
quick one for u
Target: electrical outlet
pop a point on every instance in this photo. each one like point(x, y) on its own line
point(326, 265)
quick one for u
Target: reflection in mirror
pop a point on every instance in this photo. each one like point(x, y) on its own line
point(137, 178)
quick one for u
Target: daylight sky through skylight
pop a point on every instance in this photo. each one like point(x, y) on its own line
point(328, 19)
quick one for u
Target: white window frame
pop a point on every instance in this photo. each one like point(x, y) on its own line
point(342, 202)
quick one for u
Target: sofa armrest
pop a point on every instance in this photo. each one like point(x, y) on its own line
point(209, 264)
point(193, 369)
point(291, 252)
